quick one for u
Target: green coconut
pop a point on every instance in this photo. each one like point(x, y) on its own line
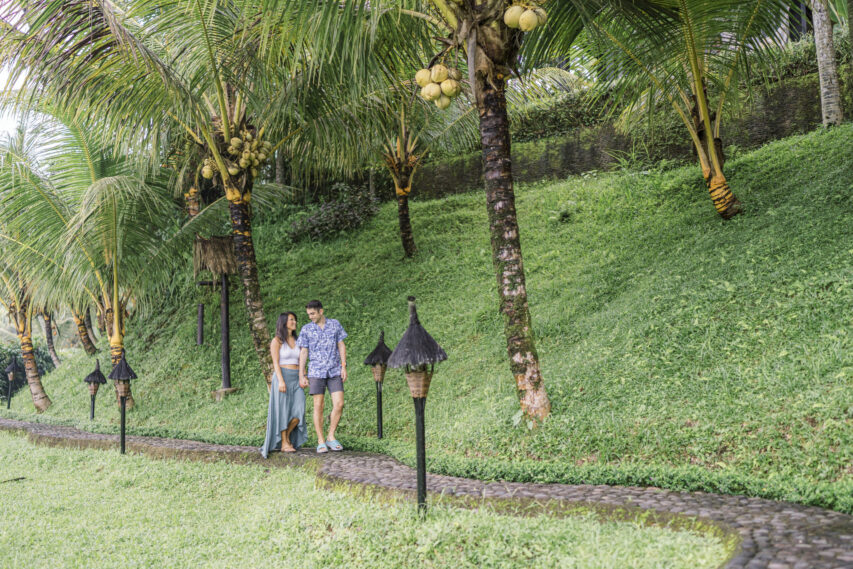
point(422, 78)
point(256, 162)
point(254, 172)
point(233, 170)
point(207, 172)
point(513, 15)
point(232, 151)
point(236, 142)
point(431, 92)
point(244, 163)
point(438, 73)
point(450, 87)
point(262, 156)
point(542, 15)
point(528, 21)
point(248, 136)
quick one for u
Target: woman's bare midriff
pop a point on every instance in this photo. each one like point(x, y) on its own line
point(290, 366)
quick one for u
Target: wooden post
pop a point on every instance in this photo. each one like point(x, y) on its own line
point(200, 329)
point(226, 336)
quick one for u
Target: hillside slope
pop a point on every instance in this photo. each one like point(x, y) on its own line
point(679, 350)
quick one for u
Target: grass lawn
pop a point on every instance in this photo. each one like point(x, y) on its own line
point(679, 350)
point(99, 509)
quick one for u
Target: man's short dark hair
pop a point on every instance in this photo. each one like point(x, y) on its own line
point(314, 305)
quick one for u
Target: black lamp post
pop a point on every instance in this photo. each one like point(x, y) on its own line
point(418, 352)
point(378, 360)
point(94, 379)
point(122, 374)
point(11, 371)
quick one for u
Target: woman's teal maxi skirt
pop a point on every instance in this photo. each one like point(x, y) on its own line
point(284, 407)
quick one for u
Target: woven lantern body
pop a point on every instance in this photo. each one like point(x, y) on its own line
point(378, 358)
point(419, 380)
point(122, 387)
point(417, 351)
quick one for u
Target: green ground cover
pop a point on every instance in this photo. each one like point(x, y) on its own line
point(100, 509)
point(678, 350)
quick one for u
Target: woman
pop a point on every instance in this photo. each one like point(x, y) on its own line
point(286, 428)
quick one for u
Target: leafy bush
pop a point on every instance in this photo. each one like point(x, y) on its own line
point(353, 207)
point(7, 352)
point(556, 117)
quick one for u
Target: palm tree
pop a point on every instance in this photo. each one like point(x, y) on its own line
point(693, 60)
point(85, 226)
point(830, 92)
point(16, 298)
point(226, 77)
point(47, 321)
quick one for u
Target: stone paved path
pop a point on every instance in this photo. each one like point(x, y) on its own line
point(771, 535)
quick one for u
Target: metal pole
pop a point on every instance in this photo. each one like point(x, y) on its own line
point(379, 409)
point(199, 340)
point(9, 391)
point(226, 336)
point(420, 402)
point(123, 408)
point(92, 409)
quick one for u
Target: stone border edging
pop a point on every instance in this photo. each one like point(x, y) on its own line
point(762, 533)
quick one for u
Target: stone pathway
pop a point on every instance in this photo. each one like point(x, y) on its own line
point(769, 535)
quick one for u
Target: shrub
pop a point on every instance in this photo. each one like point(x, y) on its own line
point(353, 208)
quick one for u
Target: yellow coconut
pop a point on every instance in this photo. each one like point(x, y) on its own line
point(236, 142)
point(262, 156)
point(438, 73)
point(431, 92)
point(248, 136)
point(528, 21)
point(422, 78)
point(512, 15)
point(442, 102)
point(450, 87)
point(542, 15)
point(207, 172)
point(254, 172)
point(233, 170)
point(244, 163)
point(454, 74)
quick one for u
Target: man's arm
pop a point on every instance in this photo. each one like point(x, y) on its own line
point(342, 350)
point(303, 357)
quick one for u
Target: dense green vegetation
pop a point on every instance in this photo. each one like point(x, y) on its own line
point(74, 508)
point(678, 350)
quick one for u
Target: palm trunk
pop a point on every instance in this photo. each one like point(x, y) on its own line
point(88, 320)
point(48, 336)
point(850, 32)
point(725, 202)
point(830, 93)
point(24, 328)
point(85, 339)
point(116, 335)
point(280, 172)
point(506, 250)
point(244, 251)
point(406, 234)
point(193, 199)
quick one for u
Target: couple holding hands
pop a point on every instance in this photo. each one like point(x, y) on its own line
point(321, 344)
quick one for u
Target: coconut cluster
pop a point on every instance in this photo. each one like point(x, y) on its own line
point(245, 153)
point(524, 17)
point(439, 84)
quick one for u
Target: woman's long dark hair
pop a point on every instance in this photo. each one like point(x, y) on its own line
point(281, 326)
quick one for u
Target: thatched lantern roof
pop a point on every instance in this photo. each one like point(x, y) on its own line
point(378, 358)
point(122, 374)
point(415, 351)
point(95, 379)
point(215, 255)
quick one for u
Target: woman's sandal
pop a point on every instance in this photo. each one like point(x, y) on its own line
point(321, 448)
point(334, 445)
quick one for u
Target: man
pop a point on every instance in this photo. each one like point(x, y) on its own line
point(322, 343)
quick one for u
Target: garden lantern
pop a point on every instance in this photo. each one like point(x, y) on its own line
point(11, 371)
point(216, 255)
point(122, 374)
point(417, 352)
point(378, 360)
point(94, 379)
